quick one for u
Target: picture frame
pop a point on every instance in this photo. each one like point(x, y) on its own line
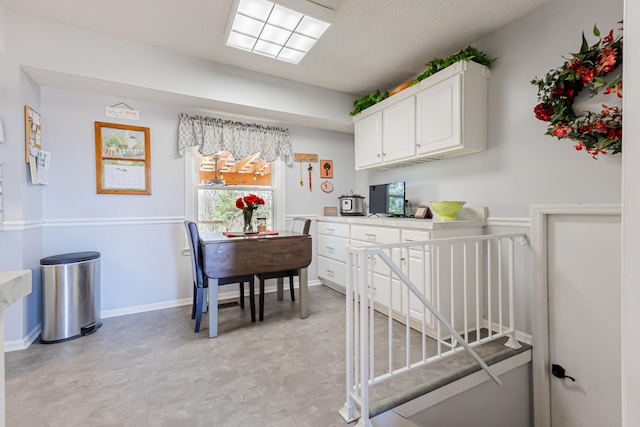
point(123, 159)
point(423, 212)
point(330, 211)
point(326, 169)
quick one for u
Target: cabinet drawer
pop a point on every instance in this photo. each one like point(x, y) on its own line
point(375, 234)
point(332, 270)
point(415, 235)
point(333, 229)
point(333, 247)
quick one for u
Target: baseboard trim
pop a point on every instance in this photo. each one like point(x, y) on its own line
point(24, 343)
point(222, 296)
point(520, 336)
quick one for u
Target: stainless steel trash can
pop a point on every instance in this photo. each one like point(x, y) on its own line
point(70, 296)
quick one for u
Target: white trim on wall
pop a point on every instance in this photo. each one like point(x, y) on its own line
point(21, 225)
point(509, 222)
point(25, 342)
point(540, 309)
point(86, 222)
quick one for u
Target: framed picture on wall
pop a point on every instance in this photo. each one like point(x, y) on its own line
point(326, 169)
point(123, 159)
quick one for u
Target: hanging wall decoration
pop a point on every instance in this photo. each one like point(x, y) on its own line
point(326, 168)
point(305, 157)
point(32, 133)
point(123, 159)
point(596, 68)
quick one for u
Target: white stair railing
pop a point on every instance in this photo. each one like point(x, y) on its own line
point(457, 284)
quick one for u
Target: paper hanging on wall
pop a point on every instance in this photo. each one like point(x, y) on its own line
point(1, 132)
point(44, 164)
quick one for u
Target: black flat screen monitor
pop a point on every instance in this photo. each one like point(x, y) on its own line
point(387, 199)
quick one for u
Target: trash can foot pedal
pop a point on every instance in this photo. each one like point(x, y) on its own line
point(87, 330)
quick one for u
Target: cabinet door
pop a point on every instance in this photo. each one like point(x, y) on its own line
point(368, 141)
point(399, 130)
point(419, 271)
point(439, 117)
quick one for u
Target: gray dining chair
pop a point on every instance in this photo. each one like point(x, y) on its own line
point(298, 225)
point(201, 281)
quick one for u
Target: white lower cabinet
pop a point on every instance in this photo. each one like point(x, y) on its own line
point(332, 242)
point(335, 237)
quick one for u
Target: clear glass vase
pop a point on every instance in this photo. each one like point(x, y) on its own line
point(248, 220)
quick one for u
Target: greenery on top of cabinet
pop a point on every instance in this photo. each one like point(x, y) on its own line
point(368, 100)
point(469, 53)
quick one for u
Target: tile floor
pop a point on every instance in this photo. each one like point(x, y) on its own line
point(150, 369)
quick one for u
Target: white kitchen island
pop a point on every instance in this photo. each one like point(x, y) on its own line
point(14, 285)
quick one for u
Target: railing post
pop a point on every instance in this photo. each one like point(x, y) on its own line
point(364, 344)
point(349, 411)
point(513, 342)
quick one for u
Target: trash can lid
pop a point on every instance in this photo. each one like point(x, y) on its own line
point(68, 258)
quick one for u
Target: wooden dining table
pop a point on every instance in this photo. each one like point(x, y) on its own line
point(227, 256)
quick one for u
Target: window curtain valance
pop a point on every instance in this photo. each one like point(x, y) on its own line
point(212, 135)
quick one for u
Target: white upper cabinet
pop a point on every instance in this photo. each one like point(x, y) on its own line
point(439, 117)
point(442, 116)
point(399, 130)
point(368, 141)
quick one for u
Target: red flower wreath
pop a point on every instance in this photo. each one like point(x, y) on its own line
point(596, 133)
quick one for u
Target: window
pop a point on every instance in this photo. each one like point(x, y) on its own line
point(218, 181)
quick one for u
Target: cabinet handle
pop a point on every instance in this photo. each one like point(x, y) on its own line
point(331, 229)
point(370, 236)
point(378, 154)
point(330, 272)
point(409, 240)
point(330, 249)
point(418, 145)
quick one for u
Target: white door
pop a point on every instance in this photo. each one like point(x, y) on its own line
point(584, 253)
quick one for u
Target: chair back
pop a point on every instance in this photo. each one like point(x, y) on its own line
point(300, 225)
point(196, 255)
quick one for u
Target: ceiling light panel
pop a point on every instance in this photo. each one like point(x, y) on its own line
point(275, 35)
point(300, 42)
point(245, 25)
point(270, 29)
point(258, 9)
point(285, 18)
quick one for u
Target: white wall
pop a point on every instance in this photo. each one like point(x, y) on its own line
point(137, 234)
point(522, 165)
point(58, 54)
point(630, 225)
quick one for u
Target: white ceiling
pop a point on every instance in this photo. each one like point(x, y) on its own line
point(372, 44)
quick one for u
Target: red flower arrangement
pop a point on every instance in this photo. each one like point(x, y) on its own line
point(248, 204)
point(597, 133)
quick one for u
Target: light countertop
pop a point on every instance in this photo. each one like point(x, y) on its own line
point(14, 285)
point(467, 217)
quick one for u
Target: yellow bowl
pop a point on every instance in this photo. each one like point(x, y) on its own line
point(446, 210)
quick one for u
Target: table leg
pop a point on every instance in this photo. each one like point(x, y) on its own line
point(213, 308)
point(304, 294)
point(280, 286)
